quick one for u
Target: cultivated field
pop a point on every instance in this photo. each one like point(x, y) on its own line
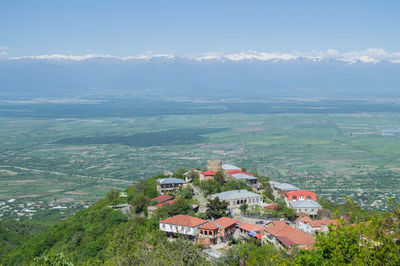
point(335, 155)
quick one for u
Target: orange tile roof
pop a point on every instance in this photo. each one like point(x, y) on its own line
point(251, 227)
point(209, 172)
point(304, 219)
point(163, 198)
point(292, 237)
point(276, 227)
point(271, 207)
point(184, 220)
point(222, 222)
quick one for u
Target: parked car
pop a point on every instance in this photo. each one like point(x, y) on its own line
point(260, 222)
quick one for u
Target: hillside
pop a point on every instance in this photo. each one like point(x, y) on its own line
point(101, 235)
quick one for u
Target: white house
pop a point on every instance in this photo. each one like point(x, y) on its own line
point(309, 207)
point(168, 184)
point(235, 198)
point(182, 224)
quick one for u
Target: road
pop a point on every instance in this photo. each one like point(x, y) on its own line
point(200, 198)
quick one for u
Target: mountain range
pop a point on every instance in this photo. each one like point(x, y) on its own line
point(249, 75)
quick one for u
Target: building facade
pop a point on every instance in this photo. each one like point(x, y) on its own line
point(169, 184)
point(235, 198)
point(182, 225)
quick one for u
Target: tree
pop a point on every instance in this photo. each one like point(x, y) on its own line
point(140, 202)
point(243, 208)
point(375, 242)
point(216, 208)
point(219, 177)
point(113, 197)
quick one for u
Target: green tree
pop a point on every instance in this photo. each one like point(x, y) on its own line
point(243, 208)
point(220, 177)
point(216, 208)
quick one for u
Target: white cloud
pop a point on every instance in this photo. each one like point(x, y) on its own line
point(371, 55)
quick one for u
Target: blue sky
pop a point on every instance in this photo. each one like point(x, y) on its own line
point(123, 28)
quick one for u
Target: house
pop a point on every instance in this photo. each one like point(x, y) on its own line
point(182, 224)
point(308, 207)
point(190, 174)
point(272, 230)
point(242, 176)
point(217, 231)
point(313, 226)
point(284, 236)
point(290, 237)
point(169, 184)
point(162, 198)
point(246, 231)
point(300, 195)
point(207, 175)
point(325, 224)
point(235, 198)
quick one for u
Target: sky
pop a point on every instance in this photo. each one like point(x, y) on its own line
point(124, 28)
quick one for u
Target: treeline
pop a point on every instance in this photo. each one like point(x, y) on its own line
point(162, 138)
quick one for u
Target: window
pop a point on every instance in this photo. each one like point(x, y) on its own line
point(238, 202)
point(163, 226)
point(294, 198)
point(201, 232)
point(309, 197)
point(305, 210)
point(312, 210)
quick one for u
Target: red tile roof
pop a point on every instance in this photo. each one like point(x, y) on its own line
point(163, 198)
point(297, 193)
point(184, 220)
point(222, 222)
point(234, 172)
point(292, 237)
point(169, 202)
point(251, 227)
point(275, 227)
point(304, 219)
point(207, 173)
point(271, 207)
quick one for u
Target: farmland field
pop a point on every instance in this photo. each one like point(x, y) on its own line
point(71, 162)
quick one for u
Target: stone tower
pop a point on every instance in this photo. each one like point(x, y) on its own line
point(214, 165)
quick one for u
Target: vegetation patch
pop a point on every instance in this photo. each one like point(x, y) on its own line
point(162, 138)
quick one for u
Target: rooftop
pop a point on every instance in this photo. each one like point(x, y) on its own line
point(283, 186)
point(275, 227)
point(244, 176)
point(222, 222)
point(163, 198)
point(230, 167)
point(271, 207)
point(209, 172)
point(184, 220)
point(304, 204)
point(290, 237)
point(299, 193)
point(234, 172)
point(171, 180)
point(251, 227)
point(235, 194)
point(165, 202)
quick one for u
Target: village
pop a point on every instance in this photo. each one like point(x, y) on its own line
point(248, 213)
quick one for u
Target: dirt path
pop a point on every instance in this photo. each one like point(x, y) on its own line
point(200, 198)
